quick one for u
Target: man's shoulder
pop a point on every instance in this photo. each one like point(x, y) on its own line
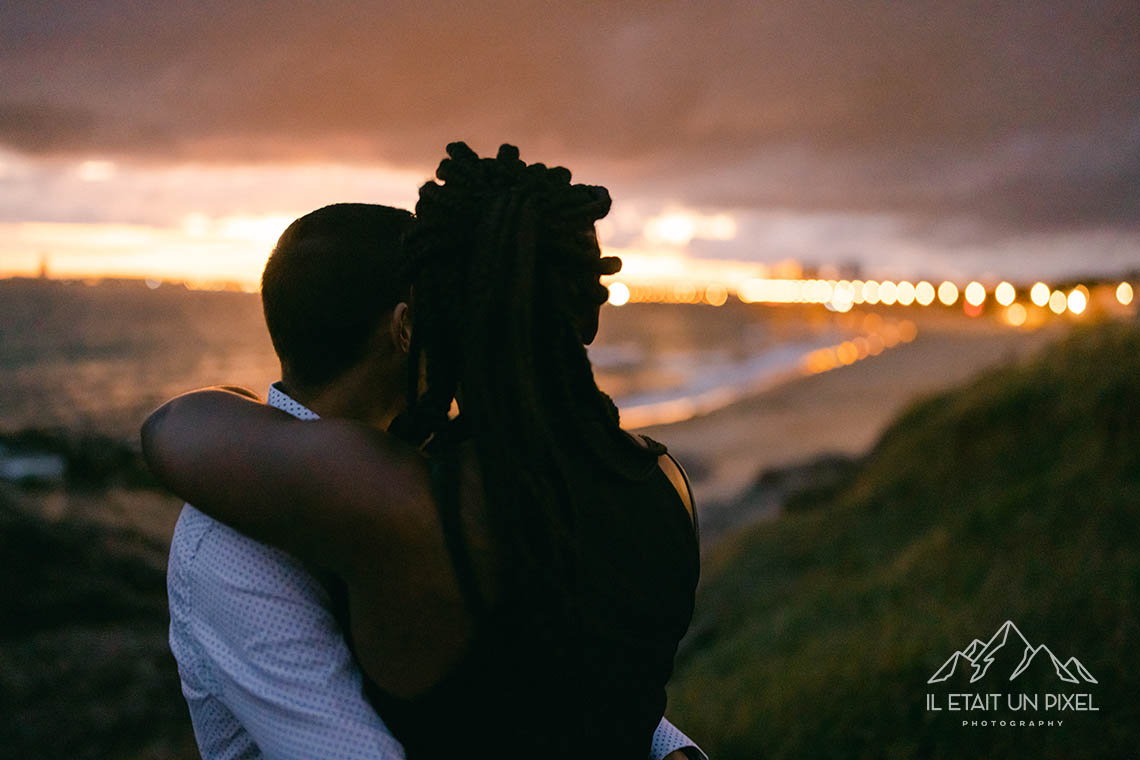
point(204, 551)
point(196, 532)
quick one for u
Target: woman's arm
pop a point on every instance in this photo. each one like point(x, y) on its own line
point(323, 490)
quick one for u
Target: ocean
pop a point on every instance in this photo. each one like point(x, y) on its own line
point(99, 357)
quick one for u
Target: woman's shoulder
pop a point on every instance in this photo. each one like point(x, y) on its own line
point(669, 465)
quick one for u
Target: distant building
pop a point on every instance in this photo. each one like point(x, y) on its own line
point(851, 270)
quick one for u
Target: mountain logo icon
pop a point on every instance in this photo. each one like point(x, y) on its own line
point(1012, 653)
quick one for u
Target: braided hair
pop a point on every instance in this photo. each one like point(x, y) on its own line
point(505, 270)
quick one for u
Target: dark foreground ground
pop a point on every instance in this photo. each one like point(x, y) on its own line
point(84, 667)
point(1013, 497)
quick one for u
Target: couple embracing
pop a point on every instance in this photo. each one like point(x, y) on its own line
point(435, 540)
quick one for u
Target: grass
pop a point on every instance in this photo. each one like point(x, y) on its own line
point(1016, 497)
point(84, 667)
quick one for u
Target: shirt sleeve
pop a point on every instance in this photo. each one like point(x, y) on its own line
point(668, 738)
point(274, 655)
point(217, 731)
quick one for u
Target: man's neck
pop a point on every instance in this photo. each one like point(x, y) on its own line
point(344, 399)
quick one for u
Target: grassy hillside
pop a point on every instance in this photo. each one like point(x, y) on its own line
point(84, 667)
point(1017, 497)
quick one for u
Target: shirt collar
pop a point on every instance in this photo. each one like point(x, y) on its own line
point(279, 399)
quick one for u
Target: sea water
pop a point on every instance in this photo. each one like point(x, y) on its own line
point(99, 357)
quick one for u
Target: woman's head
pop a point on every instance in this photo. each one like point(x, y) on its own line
point(505, 295)
point(506, 268)
point(502, 210)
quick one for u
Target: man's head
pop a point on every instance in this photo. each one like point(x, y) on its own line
point(329, 291)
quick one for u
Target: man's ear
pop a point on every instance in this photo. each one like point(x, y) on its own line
point(401, 326)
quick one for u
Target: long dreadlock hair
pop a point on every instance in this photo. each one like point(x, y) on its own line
point(505, 271)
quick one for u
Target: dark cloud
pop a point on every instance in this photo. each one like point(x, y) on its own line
point(1045, 180)
point(41, 128)
point(1023, 113)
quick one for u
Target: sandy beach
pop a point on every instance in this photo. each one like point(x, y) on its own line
point(839, 411)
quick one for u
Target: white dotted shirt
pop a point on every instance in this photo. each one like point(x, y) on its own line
point(264, 666)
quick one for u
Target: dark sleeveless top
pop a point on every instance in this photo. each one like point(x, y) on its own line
point(541, 680)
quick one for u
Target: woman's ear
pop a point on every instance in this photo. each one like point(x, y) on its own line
point(402, 327)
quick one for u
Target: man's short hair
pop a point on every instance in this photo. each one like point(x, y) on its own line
point(332, 276)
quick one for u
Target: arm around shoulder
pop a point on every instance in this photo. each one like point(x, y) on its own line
point(317, 489)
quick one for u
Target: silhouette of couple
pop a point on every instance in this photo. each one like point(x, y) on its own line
point(434, 539)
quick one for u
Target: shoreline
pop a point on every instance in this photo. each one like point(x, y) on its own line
point(841, 411)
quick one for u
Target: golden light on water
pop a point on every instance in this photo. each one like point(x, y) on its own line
point(1015, 314)
point(1077, 300)
point(619, 294)
point(1124, 293)
point(1005, 294)
point(1039, 294)
point(948, 293)
point(975, 294)
point(1058, 302)
point(880, 335)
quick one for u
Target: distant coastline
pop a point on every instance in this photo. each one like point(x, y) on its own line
point(66, 361)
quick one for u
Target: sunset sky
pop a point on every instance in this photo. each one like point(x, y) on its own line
point(966, 140)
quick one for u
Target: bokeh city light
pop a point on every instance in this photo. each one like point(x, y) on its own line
point(975, 294)
point(842, 295)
